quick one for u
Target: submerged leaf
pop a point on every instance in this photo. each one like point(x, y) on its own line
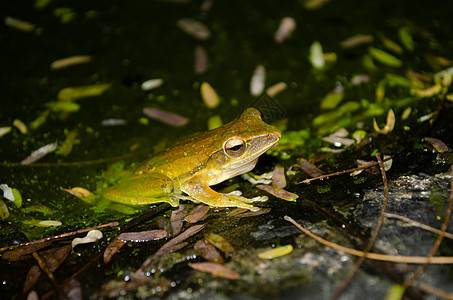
point(333, 98)
point(276, 252)
point(66, 146)
point(197, 214)
point(406, 38)
point(309, 168)
point(5, 130)
point(214, 122)
point(437, 144)
point(278, 178)
point(215, 269)
point(208, 251)
point(281, 194)
point(142, 236)
point(429, 92)
point(219, 242)
point(114, 246)
point(4, 212)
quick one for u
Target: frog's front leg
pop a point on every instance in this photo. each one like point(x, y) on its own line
point(143, 189)
point(200, 191)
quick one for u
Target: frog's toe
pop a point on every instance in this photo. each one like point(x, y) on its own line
point(234, 193)
point(259, 199)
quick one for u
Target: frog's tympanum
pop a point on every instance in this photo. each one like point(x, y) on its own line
point(193, 165)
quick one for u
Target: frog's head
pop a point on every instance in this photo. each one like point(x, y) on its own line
point(245, 140)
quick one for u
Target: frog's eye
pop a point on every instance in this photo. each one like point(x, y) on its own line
point(234, 147)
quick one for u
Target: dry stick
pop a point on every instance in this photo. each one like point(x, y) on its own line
point(375, 256)
point(435, 291)
point(419, 225)
point(408, 282)
point(60, 236)
point(53, 280)
point(344, 171)
point(370, 244)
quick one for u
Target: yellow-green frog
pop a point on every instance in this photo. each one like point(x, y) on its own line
point(193, 165)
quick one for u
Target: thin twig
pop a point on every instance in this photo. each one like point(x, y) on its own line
point(435, 291)
point(53, 280)
point(408, 282)
point(344, 171)
point(60, 236)
point(419, 225)
point(375, 256)
point(370, 244)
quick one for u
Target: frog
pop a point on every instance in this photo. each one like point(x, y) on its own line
point(187, 169)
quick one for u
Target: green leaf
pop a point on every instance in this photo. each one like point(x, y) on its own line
point(385, 58)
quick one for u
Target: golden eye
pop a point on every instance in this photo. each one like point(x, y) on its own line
point(234, 147)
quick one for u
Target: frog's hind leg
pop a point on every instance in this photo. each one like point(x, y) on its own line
point(200, 191)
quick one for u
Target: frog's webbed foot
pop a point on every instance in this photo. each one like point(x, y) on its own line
point(247, 200)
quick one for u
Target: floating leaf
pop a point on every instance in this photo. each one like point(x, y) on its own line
point(332, 99)
point(20, 125)
point(437, 144)
point(275, 89)
point(113, 122)
point(309, 168)
point(66, 146)
point(11, 194)
point(285, 29)
point(406, 38)
point(276, 252)
point(177, 218)
point(208, 251)
point(278, 178)
point(70, 61)
point(281, 194)
point(197, 214)
point(391, 45)
point(258, 80)
point(316, 56)
point(40, 119)
point(385, 58)
point(40, 153)
point(429, 92)
point(315, 4)
point(215, 269)
point(209, 95)
point(4, 212)
point(152, 84)
point(214, 122)
point(194, 28)
point(219, 242)
point(389, 125)
point(142, 236)
point(55, 257)
point(21, 252)
point(19, 24)
point(81, 193)
point(63, 106)
point(5, 130)
point(74, 93)
point(91, 237)
point(165, 117)
point(48, 223)
point(200, 60)
point(356, 40)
